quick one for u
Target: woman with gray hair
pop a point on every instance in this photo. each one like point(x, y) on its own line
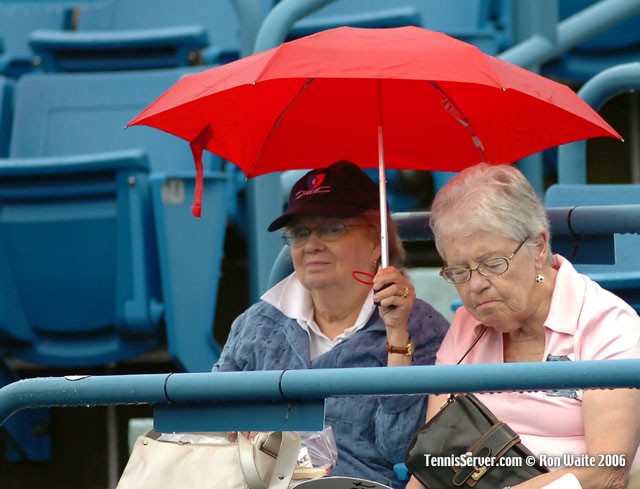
point(526, 304)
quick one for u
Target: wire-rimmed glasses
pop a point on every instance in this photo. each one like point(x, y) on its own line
point(327, 231)
point(490, 268)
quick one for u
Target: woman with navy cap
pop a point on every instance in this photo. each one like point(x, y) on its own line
point(325, 316)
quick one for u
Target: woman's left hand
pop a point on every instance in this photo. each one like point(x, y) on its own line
point(396, 295)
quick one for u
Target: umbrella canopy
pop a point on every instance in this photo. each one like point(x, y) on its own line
point(405, 98)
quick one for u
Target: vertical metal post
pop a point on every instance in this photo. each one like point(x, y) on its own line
point(113, 471)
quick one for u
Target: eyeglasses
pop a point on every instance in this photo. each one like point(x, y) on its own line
point(490, 268)
point(327, 231)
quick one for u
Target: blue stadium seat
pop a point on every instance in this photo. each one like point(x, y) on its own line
point(144, 34)
point(622, 275)
point(282, 267)
point(79, 271)
point(73, 289)
point(473, 21)
point(71, 113)
point(63, 115)
point(17, 21)
point(619, 44)
point(74, 51)
point(100, 258)
point(190, 252)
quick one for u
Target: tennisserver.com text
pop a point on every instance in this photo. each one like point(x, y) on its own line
point(468, 460)
point(569, 460)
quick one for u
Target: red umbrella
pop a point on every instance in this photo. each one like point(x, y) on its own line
point(405, 98)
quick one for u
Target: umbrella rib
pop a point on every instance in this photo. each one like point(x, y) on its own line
point(457, 114)
point(277, 122)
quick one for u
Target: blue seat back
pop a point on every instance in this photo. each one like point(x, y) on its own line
point(218, 17)
point(65, 114)
point(77, 251)
point(17, 21)
point(191, 252)
point(622, 276)
point(74, 51)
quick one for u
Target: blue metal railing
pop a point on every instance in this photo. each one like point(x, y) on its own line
point(571, 32)
point(207, 396)
point(579, 220)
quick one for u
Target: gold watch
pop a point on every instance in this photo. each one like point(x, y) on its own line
point(406, 350)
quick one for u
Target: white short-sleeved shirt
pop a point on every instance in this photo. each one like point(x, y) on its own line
point(585, 322)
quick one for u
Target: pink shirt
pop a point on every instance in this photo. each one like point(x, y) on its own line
point(585, 322)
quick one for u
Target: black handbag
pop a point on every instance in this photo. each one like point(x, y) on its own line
point(465, 445)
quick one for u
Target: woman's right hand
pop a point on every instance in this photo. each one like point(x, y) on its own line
point(233, 435)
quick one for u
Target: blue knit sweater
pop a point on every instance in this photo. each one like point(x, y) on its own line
point(372, 433)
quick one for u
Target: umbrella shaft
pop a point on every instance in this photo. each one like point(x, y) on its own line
point(384, 244)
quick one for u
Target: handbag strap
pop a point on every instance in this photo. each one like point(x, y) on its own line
point(283, 446)
point(475, 342)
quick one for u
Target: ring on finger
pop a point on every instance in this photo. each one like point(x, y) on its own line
point(405, 293)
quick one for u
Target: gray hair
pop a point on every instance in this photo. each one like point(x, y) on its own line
point(494, 198)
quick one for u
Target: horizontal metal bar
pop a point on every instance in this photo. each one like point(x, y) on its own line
point(583, 220)
point(199, 389)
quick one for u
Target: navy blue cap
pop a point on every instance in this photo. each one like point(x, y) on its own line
point(341, 190)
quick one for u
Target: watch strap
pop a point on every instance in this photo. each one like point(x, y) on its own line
point(401, 350)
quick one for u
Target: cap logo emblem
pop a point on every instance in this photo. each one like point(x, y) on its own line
point(314, 181)
point(314, 184)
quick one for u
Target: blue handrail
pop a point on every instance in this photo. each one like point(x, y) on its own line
point(578, 220)
point(571, 32)
point(196, 390)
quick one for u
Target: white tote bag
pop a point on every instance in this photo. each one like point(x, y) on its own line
point(266, 462)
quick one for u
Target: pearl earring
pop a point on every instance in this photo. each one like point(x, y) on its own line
point(539, 279)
